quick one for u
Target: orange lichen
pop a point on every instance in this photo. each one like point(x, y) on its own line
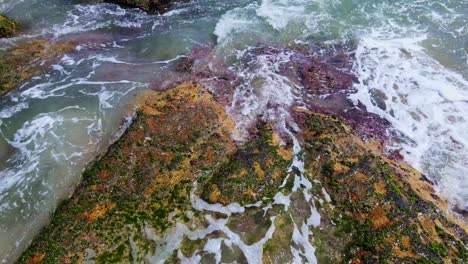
point(379, 218)
point(37, 258)
point(250, 194)
point(99, 211)
point(215, 194)
point(103, 175)
point(150, 110)
point(405, 241)
point(357, 261)
point(259, 170)
point(340, 168)
point(380, 188)
point(285, 153)
point(429, 226)
point(405, 254)
point(361, 177)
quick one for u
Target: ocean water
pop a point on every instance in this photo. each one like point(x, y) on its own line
point(410, 59)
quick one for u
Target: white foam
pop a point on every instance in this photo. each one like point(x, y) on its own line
point(117, 61)
point(235, 21)
point(84, 18)
point(285, 200)
point(263, 92)
point(7, 5)
point(315, 218)
point(279, 13)
point(305, 250)
point(425, 102)
point(175, 12)
point(213, 246)
point(173, 238)
point(195, 259)
point(326, 195)
point(13, 110)
point(167, 244)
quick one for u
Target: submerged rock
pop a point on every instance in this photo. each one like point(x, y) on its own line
point(176, 187)
point(8, 27)
point(27, 59)
point(146, 5)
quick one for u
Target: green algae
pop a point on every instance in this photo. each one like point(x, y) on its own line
point(28, 59)
point(8, 27)
point(125, 189)
point(255, 170)
point(147, 176)
point(372, 210)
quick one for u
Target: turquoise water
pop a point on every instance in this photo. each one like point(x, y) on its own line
point(414, 52)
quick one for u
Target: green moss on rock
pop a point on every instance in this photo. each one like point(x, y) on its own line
point(28, 59)
point(8, 27)
point(255, 171)
point(125, 190)
point(380, 210)
point(373, 210)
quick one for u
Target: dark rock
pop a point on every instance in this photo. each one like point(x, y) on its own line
point(146, 5)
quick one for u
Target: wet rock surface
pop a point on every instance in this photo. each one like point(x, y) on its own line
point(321, 81)
point(177, 187)
point(147, 175)
point(27, 59)
point(380, 210)
point(325, 80)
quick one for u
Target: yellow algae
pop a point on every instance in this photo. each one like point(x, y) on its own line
point(215, 193)
point(380, 188)
point(99, 211)
point(340, 168)
point(259, 170)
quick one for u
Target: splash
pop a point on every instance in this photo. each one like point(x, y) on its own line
point(270, 83)
point(425, 103)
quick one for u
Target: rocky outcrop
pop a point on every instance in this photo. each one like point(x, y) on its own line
point(379, 210)
point(8, 27)
point(177, 186)
point(28, 59)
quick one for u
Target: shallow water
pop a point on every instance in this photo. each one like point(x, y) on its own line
point(411, 61)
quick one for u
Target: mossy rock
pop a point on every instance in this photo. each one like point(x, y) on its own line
point(372, 209)
point(254, 172)
point(380, 211)
point(8, 27)
point(145, 177)
point(29, 59)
